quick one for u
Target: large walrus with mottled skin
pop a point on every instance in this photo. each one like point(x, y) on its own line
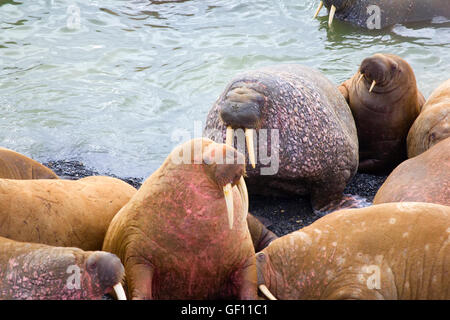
point(300, 127)
point(63, 213)
point(424, 178)
point(387, 251)
point(385, 101)
point(380, 14)
point(14, 165)
point(31, 271)
point(433, 123)
point(184, 234)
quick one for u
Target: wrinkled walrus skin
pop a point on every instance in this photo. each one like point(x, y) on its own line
point(433, 123)
point(63, 213)
point(174, 237)
point(31, 271)
point(384, 116)
point(359, 12)
point(388, 251)
point(14, 165)
point(425, 178)
point(318, 145)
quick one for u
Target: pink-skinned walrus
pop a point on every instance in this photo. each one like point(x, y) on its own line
point(32, 271)
point(387, 251)
point(184, 234)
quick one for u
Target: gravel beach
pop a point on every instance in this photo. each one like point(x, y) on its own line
point(281, 215)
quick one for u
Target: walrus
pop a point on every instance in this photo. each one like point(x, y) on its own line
point(387, 251)
point(32, 271)
point(184, 234)
point(380, 14)
point(63, 213)
point(14, 165)
point(424, 178)
point(313, 142)
point(433, 123)
point(385, 101)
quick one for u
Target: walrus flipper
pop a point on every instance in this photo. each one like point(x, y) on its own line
point(261, 236)
point(139, 281)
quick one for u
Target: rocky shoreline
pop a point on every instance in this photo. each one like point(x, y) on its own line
point(281, 215)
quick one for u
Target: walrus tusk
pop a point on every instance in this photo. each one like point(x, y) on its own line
point(331, 17)
point(267, 292)
point(372, 86)
point(229, 137)
point(244, 195)
point(250, 147)
point(318, 9)
point(118, 289)
point(360, 78)
point(228, 193)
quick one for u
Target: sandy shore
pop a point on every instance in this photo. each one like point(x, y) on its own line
point(282, 215)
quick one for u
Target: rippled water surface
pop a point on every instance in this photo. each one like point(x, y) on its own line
point(115, 87)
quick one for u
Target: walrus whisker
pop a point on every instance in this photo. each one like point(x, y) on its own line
point(118, 289)
point(372, 86)
point(331, 17)
point(318, 9)
point(228, 193)
point(266, 292)
point(229, 136)
point(250, 147)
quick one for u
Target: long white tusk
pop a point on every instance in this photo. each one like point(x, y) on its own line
point(120, 293)
point(228, 193)
point(318, 9)
point(250, 147)
point(331, 17)
point(360, 78)
point(372, 86)
point(229, 137)
point(244, 195)
point(267, 292)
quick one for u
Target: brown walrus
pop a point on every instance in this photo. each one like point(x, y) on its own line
point(14, 165)
point(433, 123)
point(385, 101)
point(313, 145)
point(63, 213)
point(184, 235)
point(424, 178)
point(31, 271)
point(387, 251)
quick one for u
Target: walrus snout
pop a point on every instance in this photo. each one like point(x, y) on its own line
point(241, 108)
point(107, 269)
point(374, 69)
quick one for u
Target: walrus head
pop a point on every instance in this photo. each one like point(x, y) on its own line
point(383, 73)
point(335, 7)
point(242, 110)
point(104, 273)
